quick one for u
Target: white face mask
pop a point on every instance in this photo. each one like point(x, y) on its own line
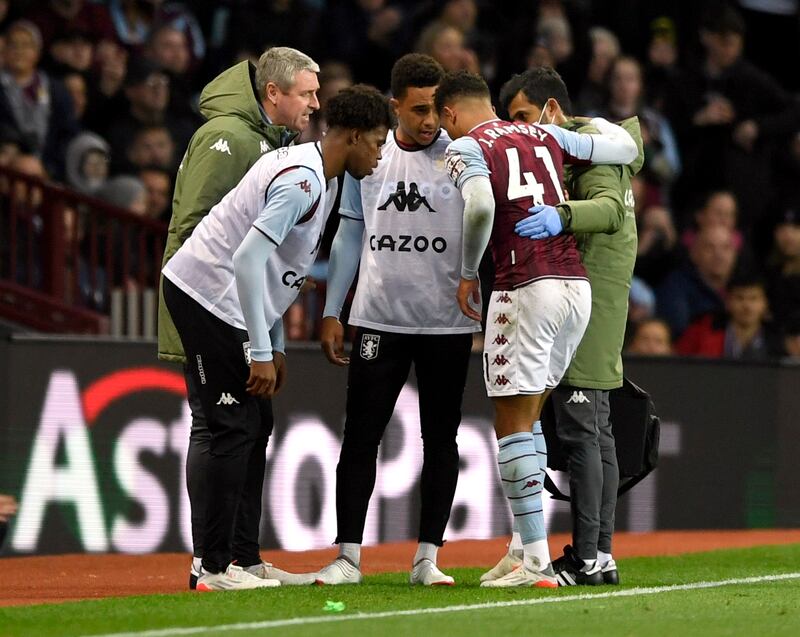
point(541, 115)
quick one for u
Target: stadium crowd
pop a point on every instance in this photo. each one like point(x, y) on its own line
point(102, 96)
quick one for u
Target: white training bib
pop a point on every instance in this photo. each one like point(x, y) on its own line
point(203, 267)
point(411, 256)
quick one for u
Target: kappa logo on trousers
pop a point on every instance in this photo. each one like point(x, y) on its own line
point(227, 399)
point(578, 398)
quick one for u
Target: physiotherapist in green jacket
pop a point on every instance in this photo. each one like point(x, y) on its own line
point(250, 110)
point(600, 212)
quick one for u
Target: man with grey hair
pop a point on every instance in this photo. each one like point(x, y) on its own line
point(251, 110)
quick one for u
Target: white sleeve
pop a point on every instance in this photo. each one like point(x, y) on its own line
point(464, 159)
point(478, 222)
point(613, 145)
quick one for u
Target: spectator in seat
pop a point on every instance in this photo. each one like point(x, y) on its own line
point(87, 163)
point(656, 253)
point(718, 208)
point(56, 16)
point(791, 337)
point(70, 51)
point(729, 115)
point(147, 89)
point(37, 105)
point(698, 287)
point(626, 98)
point(158, 184)
point(151, 146)
point(651, 337)
point(741, 333)
point(445, 44)
point(168, 48)
point(783, 270)
point(75, 83)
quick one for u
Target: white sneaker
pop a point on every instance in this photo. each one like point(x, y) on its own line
point(340, 571)
point(235, 578)
point(195, 571)
point(525, 576)
point(506, 564)
point(265, 570)
point(425, 572)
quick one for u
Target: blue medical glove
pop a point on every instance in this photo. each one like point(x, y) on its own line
point(543, 223)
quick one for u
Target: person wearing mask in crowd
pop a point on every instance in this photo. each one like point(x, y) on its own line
point(251, 110)
point(651, 337)
point(699, 287)
point(741, 333)
point(37, 105)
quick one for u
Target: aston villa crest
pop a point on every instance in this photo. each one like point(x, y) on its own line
point(369, 346)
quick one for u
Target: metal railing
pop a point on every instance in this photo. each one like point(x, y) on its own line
point(72, 263)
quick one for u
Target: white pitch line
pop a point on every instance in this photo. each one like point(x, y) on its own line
point(327, 619)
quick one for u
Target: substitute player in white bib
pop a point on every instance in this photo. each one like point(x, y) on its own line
point(405, 221)
point(226, 289)
point(541, 298)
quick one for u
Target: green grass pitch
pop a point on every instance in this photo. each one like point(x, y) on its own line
point(766, 607)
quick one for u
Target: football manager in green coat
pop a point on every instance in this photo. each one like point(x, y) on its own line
point(600, 213)
point(250, 110)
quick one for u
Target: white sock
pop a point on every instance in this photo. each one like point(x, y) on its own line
point(515, 547)
point(351, 551)
point(603, 558)
point(426, 551)
point(537, 554)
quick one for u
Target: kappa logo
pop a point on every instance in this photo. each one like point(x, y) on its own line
point(404, 200)
point(501, 380)
point(529, 484)
point(221, 145)
point(500, 360)
point(578, 398)
point(305, 186)
point(264, 146)
point(504, 298)
point(246, 348)
point(500, 339)
point(502, 319)
point(369, 346)
point(227, 399)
